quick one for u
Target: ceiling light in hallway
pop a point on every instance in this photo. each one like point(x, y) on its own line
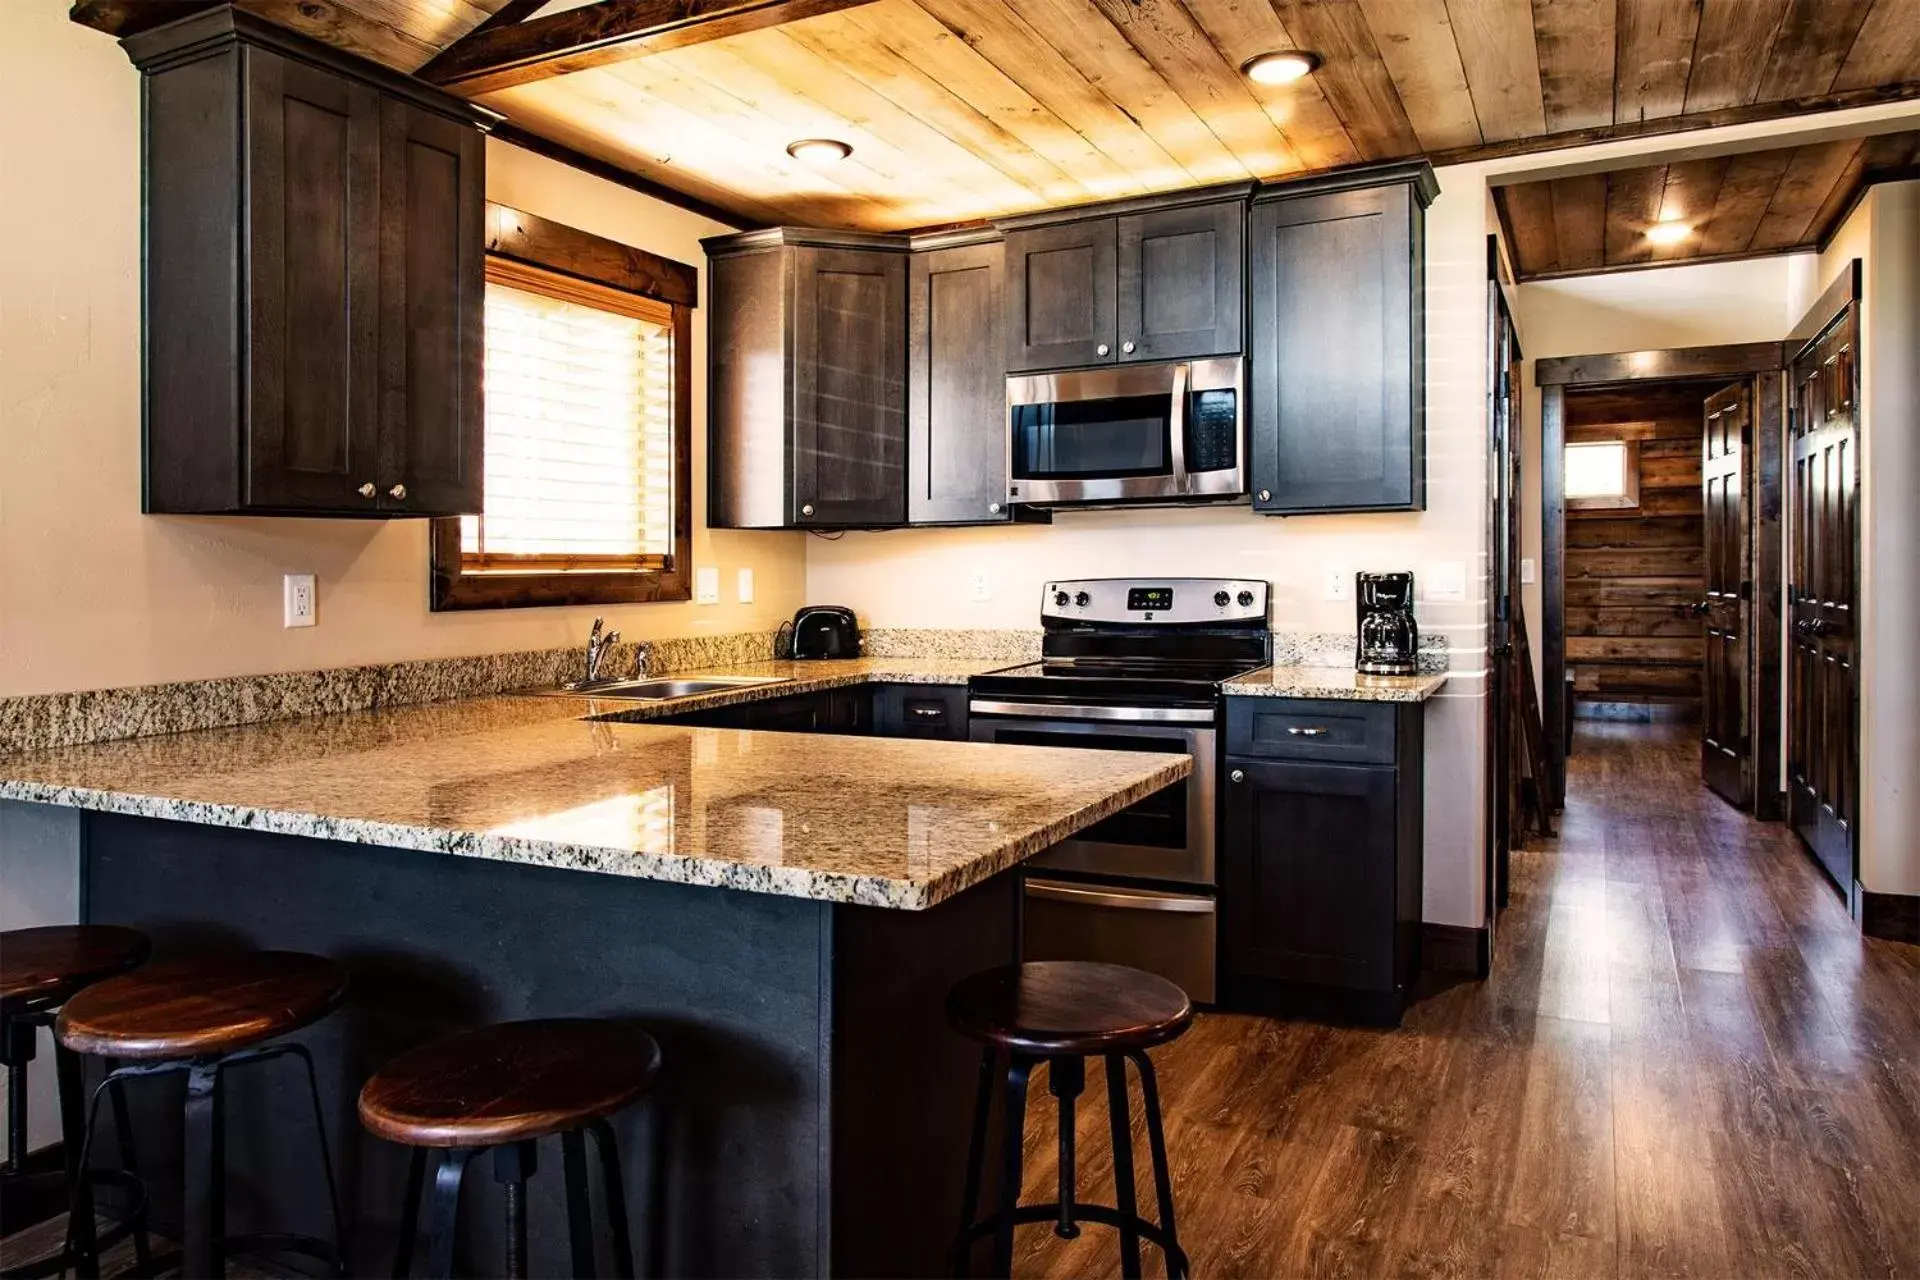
point(819, 150)
point(1280, 68)
point(1669, 231)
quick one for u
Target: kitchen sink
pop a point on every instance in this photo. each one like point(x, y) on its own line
point(658, 689)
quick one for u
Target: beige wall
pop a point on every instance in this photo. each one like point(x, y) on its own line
point(94, 594)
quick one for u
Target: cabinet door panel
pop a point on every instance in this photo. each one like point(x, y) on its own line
point(1307, 889)
point(956, 387)
point(313, 162)
point(1337, 420)
point(1180, 282)
point(1061, 300)
point(432, 286)
point(849, 387)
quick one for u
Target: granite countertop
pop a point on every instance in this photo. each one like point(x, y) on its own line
point(1343, 683)
point(549, 781)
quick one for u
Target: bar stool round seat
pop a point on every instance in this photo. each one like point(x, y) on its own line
point(1060, 1013)
point(47, 965)
point(510, 1082)
point(1051, 1007)
point(202, 1005)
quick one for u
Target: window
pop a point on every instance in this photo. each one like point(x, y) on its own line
point(587, 455)
point(1604, 473)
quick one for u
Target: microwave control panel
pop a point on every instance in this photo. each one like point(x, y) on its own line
point(1213, 430)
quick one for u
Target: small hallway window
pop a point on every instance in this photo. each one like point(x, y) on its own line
point(587, 449)
point(1604, 473)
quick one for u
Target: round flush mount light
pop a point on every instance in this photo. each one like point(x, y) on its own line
point(1669, 231)
point(819, 150)
point(1283, 67)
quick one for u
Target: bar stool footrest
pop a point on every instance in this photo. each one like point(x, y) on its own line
point(1105, 1215)
point(121, 1225)
point(271, 1242)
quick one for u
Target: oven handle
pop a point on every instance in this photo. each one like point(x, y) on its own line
point(1050, 711)
point(1055, 891)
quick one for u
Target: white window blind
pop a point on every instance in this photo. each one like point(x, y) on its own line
point(579, 423)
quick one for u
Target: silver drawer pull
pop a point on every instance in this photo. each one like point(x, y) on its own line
point(1298, 732)
point(930, 713)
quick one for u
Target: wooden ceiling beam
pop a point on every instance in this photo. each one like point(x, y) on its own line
point(510, 14)
point(130, 17)
point(608, 31)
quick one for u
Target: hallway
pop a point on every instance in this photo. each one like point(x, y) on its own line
point(1687, 1062)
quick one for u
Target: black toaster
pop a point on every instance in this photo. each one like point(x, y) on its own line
point(825, 631)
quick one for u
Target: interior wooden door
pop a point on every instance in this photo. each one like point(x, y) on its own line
point(1823, 744)
point(1726, 761)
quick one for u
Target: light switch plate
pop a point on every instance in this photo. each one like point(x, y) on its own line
point(743, 586)
point(1339, 583)
point(299, 606)
point(706, 585)
point(1445, 580)
point(1526, 571)
point(979, 586)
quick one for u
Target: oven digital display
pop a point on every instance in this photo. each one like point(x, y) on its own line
point(1150, 599)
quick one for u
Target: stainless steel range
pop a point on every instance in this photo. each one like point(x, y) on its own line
point(1131, 664)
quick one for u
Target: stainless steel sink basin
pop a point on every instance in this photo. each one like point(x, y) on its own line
point(654, 690)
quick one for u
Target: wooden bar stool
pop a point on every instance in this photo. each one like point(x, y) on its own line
point(202, 1016)
point(1063, 1012)
point(40, 969)
point(501, 1088)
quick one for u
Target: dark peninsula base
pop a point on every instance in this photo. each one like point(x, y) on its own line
point(812, 1115)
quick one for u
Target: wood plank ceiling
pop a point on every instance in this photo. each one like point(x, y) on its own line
point(962, 109)
point(1777, 200)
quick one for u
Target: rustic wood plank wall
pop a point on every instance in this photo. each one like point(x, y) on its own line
point(1633, 574)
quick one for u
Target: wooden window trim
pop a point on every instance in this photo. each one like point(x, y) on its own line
point(1628, 501)
point(662, 293)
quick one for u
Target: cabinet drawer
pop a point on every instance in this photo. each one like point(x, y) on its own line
point(1333, 732)
point(921, 711)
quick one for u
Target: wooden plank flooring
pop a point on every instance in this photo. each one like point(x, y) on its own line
point(1687, 1063)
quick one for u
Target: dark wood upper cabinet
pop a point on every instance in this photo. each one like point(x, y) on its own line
point(1153, 278)
point(807, 396)
point(1182, 274)
point(1337, 351)
point(956, 383)
point(313, 237)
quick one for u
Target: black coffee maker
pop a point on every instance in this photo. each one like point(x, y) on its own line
point(1389, 637)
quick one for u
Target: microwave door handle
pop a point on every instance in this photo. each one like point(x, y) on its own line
point(1177, 421)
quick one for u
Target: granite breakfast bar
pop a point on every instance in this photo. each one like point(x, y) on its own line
point(784, 912)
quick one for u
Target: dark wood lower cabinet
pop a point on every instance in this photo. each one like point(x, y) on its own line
point(847, 710)
point(1320, 860)
point(920, 711)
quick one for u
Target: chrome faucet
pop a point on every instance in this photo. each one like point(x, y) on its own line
point(597, 646)
point(642, 660)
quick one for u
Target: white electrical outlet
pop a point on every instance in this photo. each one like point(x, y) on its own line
point(1339, 584)
point(706, 585)
point(1445, 580)
point(979, 586)
point(1526, 571)
point(743, 586)
point(297, 600)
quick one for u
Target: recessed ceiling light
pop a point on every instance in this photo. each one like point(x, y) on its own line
point(819, 150)
point(1669, 231)
point(1280, 68)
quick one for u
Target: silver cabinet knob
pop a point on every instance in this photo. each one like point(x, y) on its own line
point(1102, 349)
point(1127, 347)
point(806, 509)
point(367, 490)
point(398, 492)
point(1238, 775)
point(993, 508)
point(1266, 495)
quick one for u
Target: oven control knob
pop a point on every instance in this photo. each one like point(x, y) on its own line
point(1060, 599)
point(1082, 599)
point(1221, 598)
point(1246, 599)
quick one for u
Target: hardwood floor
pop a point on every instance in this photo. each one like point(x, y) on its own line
point(1688, 1062)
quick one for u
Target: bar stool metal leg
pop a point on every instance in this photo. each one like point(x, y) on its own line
point(573, 1152)
point(1066, 1081)
point(410, 1213)
point(446, 1210)
point(513, 1164)
point(1118, 1107)
point(615, 1187)
point(76, 1132)
point(1011, 1170)
point(976, 1157)
point(1157, 1149)
point(205, 1173)
point(129, 1162)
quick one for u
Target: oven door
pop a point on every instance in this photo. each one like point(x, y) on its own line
point(1097, 436)
point(1169, 835)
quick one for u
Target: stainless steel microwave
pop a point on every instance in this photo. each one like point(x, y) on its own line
point(1130, 433)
